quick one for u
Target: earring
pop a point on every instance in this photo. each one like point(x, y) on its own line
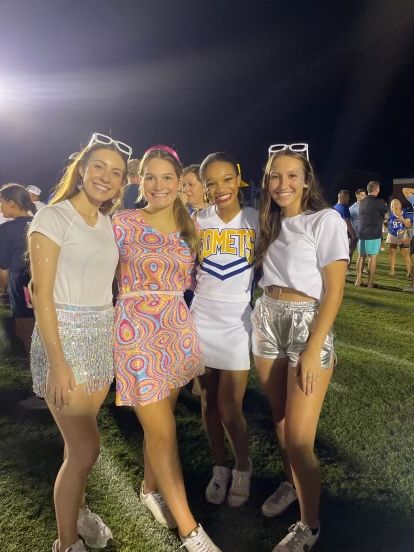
point(115, 199)
point(305, 186)
point(80, 185)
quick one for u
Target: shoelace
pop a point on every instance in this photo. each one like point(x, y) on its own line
point(161, 503)
point(295, 536)
point(280, 493)
point(241, 482)
point(202, 545)
point(92, 518)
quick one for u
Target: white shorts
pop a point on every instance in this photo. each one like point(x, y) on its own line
point(224, 330)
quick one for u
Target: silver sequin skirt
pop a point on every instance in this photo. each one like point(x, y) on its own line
point(86, 334)
point(281, 329)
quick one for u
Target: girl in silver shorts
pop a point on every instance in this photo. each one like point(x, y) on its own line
point(303, 255)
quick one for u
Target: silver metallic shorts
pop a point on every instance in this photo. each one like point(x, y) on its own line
point(281, 330)
point(86, 334)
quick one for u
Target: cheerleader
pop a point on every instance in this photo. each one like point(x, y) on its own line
point(303, 255)
point(73, 257)
point(156, 345)
point(221, 310)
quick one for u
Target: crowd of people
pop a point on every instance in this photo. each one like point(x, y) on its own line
point(186, 254)
point(366, 220)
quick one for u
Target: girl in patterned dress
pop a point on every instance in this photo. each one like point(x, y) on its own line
point(156, 347)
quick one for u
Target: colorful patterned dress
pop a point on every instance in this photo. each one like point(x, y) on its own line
point(156, 345)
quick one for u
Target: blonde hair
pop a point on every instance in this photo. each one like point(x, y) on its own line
point(68, 186)
point(182, 218)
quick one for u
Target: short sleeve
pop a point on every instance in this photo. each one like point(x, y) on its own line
point(347, 213)
point(5, 246)
point(331, 239)
point(50, 222)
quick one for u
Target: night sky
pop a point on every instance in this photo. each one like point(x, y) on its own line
point(204, 76)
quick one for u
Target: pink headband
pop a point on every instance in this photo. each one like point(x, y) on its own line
point(160, 147)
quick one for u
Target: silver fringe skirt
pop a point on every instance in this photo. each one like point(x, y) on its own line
point(86, 334)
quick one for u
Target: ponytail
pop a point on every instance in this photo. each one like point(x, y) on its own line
point(18, 194)
point(186, 226)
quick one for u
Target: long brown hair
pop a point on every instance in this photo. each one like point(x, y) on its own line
point(270, 214)
point(68, 186)
point(20, 196)
point(182, 218)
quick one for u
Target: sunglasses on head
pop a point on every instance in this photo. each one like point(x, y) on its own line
point(98, 138)
point(297, 148)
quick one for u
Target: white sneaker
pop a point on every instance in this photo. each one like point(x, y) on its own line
point(299, 539)
point(278, 501)
point(158, 507)
point(198, 541)
point(240, 487)
point(78, 546)
point(217, 488)
point(92, 529)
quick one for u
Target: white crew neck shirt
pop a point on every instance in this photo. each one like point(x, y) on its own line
point(88, 254)
point(306, 244)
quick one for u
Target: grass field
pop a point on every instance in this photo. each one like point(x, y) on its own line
point(365, 444)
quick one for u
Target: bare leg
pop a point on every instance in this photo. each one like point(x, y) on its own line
point(78, 426)
point(158, 422)
point(405, 252)
point(392, 251)
point(231, 390)
point(359, 267)
point(273, 377)
point(372, 267)
point(150, 482)
point(302, 417)
point(209, 384)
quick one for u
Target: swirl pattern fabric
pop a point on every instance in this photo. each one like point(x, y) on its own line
point(156, 347)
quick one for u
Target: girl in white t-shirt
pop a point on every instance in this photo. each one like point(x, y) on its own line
point(221, 310)
point(303, 254)
point(73, 257)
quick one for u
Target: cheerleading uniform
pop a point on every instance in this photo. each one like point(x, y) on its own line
point(221, 306)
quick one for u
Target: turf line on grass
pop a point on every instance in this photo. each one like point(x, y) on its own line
point(389, 359)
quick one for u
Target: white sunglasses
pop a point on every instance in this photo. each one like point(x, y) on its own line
point(98, 138)
point(298, 148)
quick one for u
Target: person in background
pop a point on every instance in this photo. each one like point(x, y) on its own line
point(409, 194)
point(35, 192)
point(342, 208)
point(16, 204)
point(303, 276)
point(156, 346)
point(360, 194)
point(196, 196)
point(73, 258)
point(398, 225)
point(372, 211)
point(132, 189)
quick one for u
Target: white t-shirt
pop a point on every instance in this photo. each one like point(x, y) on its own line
point(225, 270)
point(88, 256)
point(306, 243)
